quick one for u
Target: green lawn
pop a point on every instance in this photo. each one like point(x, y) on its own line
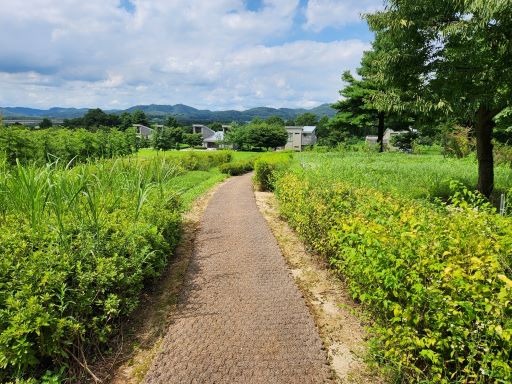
point(193, 184)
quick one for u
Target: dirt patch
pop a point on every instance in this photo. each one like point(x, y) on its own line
point(340, 321)
point(142, 337)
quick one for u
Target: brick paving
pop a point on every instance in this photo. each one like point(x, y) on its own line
point(241, 318)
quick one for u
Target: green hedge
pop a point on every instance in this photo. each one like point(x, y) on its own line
point(434, 278)
point(76, 249)
point(268, 166)
point(48, 145)
point(236, 168)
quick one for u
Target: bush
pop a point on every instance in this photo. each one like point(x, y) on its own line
point(458, 142)
point(76, 249)
point(503, 154)
point(49, 145)
point(267, 167)
point(237, 167)
point(202, 161)
point(434, 278)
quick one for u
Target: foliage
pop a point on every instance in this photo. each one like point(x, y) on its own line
point(45, 123)
point(257, 134)
point(435, 279)
point(192, 139)
point(404, 141)
point(275, 120)
point(172, 122)
point(236, 168)
point(503, 154)
point(139, 117)
point(267, 168)
point(458, 142)
point(306, 119)
point(77, 247)
point(93, 119)
point(421, 177)
point(450, 56)
point(264, 135)
point(166, 138)
point(49, 145)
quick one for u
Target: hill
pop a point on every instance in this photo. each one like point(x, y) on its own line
point(184, 113)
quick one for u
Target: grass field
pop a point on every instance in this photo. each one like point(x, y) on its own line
point(415, 176)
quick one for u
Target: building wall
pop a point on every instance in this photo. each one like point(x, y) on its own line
point(294, 138)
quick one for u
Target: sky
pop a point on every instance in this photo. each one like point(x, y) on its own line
point(209, 54)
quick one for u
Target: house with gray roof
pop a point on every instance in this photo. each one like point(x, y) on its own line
point(211, 139)
point(300, 137)
point(143, 131)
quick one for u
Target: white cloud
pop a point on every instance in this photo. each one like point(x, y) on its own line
point(208, 54)
point(321, 14)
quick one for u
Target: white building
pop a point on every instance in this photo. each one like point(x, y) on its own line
point(300, 137)
point(211, 138)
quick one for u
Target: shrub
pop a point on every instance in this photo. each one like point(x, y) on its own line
point(237, 167)
point(458, 142)
point(48, 145)
point(434, 278)
point(267, 167)
point(202, 161)
point(76, 249)
point(503, 154)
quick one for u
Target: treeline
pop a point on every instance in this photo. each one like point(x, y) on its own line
point(96, 118)
point(64, 145)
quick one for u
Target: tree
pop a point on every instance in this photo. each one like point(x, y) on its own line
point(172, 122)
point(45, 123)
point(193, 139)
point(307, 118)
point(237, 136)
point(125, 121)
point(215, 126)
point(275, 120)
point(263, 135)
point(139, 117)
point(166, 138)
point(448, 55)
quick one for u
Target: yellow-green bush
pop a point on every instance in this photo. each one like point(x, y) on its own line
point(236, 168)
point(202, 161)
point(434, 278)
point(268, 166)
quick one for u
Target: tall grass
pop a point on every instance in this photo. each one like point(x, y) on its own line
point(415, 176)
point(77, 247)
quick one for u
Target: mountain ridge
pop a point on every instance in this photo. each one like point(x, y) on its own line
point(181, 111)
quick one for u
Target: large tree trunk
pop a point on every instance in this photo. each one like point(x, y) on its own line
point(380, 132)
point(483, 131)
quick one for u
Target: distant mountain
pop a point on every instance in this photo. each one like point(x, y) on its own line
point(184, 113)
point(55, 112)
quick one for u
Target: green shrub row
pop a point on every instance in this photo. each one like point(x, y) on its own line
point(203, 161)
point(434, 278)
point(77, 247)
point(268, 166)
point(236, 168)
point(48, 145)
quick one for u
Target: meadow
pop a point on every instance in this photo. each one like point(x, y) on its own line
point(426, 256)
point(423, 176)
point(78, 245)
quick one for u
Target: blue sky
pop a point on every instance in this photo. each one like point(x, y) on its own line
point(222, 54)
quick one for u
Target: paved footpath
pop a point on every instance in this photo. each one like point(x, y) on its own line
point(241, 317)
